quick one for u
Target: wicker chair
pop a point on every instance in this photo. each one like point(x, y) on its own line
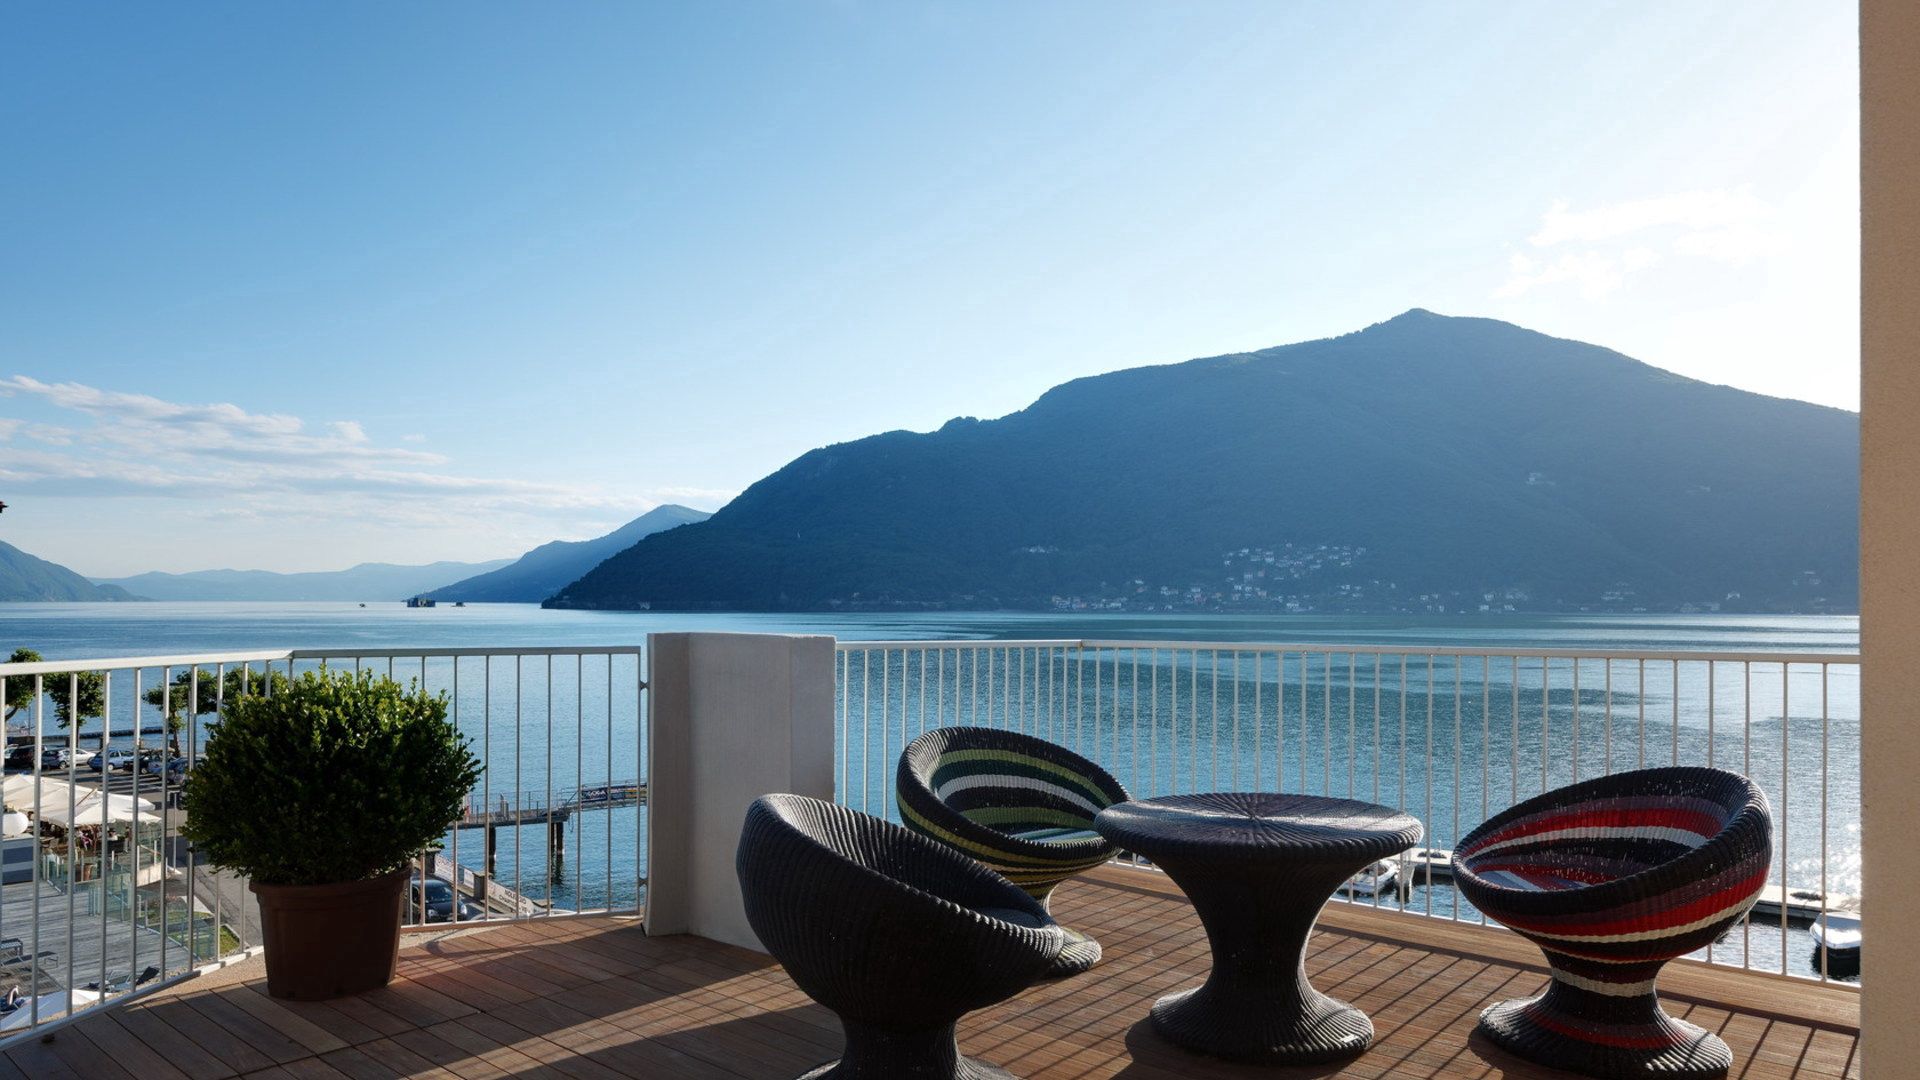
point(1021, 805)
point(897, 935)
point(1612, 878)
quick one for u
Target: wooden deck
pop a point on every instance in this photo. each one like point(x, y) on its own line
point(594, 998)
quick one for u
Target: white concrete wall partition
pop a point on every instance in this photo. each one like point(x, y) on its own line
point(734, 716)
point(1890, 533)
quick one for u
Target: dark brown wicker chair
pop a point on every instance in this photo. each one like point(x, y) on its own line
point(896, 934)
point(1612, 878)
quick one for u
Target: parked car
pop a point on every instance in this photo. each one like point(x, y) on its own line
point(175, 767)
point(111, 760)
point(54, 757)
point(19, 756)
point(439, 902)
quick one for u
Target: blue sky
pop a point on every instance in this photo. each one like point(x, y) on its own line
point(295, 287)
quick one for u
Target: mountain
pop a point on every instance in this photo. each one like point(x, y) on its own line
point(551, 567)
point(1424, 463)
point(367, 581)
point(26, 577)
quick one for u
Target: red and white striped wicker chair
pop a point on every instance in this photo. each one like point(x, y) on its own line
point(1612, 878)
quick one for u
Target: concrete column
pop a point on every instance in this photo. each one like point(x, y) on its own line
point(735, 716)
point(1890, 531)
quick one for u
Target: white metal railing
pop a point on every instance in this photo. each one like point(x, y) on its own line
point(1451, 735)
point(108, 902)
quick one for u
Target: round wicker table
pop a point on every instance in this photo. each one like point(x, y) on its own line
point(1258, 867)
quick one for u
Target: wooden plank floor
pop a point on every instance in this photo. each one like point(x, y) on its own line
point(596, 998)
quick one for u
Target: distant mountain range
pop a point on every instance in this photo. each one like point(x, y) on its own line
point(367, 581)
point(28, 577)
point(1425, 463)
point(551, 567)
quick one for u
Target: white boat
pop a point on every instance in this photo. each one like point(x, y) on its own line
point(1422, 865)
point(1838, 932)
point(1375, 880)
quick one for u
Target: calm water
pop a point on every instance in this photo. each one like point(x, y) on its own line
point(550, 728)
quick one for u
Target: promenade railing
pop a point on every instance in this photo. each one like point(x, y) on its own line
point(1452, 735)
point(102, 900)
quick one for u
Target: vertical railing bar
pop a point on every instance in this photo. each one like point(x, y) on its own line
point(1640, 739)
point(1306, 748)
point(1786, 805)
point(1426, 722)
point(106, 741)
point(1513, 744)
point(549, 756)
point(73, 827)
point(486, 775)
point(1454, 838)
point(1376, 763)
point(1486, 743)
point(193, 884)
point(1353, 725)
point(1546, 720)
point(1153, 720)
point(643, 772)
point(1259, 716)
point(579, 782)
point(886, 704)
point(1825, 903)
point(39, 771)
point(1674, 727)
point(1214, 729)
point(519, 778)
point(843, 697)
point(866, 724)
point(1573, 739)
point(607, 867)
point(1400, 794)
point(1326, 725)
point(1713, 677)
point(1133, 699)
point(1746, 769)
point(1606, 769)
point(166, 715)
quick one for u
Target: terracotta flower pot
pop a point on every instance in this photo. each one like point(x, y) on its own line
point(327, 941)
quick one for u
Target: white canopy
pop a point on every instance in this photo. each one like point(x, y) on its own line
point(89, 804)
point(97, 808)
point(19, 789)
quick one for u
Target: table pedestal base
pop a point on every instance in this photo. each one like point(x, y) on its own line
point(1301, 1028)
point(881, 1054)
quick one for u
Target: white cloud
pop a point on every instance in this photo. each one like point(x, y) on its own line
point(1602, 246)
point(268, 464)
point(1692, 211)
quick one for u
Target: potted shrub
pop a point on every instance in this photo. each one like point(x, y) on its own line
point(322, 793)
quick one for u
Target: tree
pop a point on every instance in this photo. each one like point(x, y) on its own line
point(177, 700)
point(78, 695)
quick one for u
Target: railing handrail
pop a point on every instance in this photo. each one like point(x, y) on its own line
point(1344, 648)
point(119, 663)
point(256, 656)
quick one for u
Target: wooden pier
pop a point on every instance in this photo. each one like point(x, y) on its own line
point(506, 810)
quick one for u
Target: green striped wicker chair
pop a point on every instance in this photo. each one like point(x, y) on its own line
point(1022, 806)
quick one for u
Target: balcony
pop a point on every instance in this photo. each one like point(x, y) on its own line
point(596, 997)
point(562, 848)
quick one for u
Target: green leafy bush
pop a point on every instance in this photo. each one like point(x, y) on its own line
point(334, 778)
